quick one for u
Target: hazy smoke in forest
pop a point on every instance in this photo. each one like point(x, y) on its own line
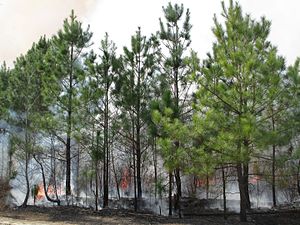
point(22, 22)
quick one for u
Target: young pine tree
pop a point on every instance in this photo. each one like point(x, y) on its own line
point(29, 102)
point(175, 38)
point(65, 60)
point(133, 97)
point(241, 80)
point(101, 83)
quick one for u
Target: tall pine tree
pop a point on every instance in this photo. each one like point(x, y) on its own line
point(133, 97)
point(65, 60)
point(29, 102)
point(241, 80)
point(175, 38)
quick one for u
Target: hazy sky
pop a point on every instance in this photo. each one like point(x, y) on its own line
point(24, 21)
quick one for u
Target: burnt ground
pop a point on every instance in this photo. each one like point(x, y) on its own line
point(76, 215)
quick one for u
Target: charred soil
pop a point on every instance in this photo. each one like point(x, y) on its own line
point(77, 215)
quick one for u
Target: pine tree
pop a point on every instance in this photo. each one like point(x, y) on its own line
point(241, 80)
point(102, 78)
point(175, 38)
point(290, 124)
point(28, 101)
point(65, 61)
point(133, 97)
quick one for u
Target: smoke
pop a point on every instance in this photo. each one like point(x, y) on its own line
point(22, 22)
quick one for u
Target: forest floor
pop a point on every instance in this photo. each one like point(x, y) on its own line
point(75, 215)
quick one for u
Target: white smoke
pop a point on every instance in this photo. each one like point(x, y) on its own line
point(23, 22)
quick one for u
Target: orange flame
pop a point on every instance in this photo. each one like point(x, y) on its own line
point(41, 193)
point(125, 179)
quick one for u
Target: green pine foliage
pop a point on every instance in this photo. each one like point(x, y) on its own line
point(238, 105)
point(240, 81)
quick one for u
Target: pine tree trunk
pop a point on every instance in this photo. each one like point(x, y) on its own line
point(170, 193)
point(57, 201)
point(273, 164)
point(273, 177)
point(224, 193)
point(246, 184)
point(77, 174)
point(105, 203)
point(177, 115)
point(97, 186)
point(245, 179)
point(10, 165)
point(68, 168)
point(134, 166)
point(24, 204)
point(106, 147)
point(179, 193)
point(69, 130)
point(155, 166)
point(138, 158)
point(138, 129)
point(135, 184)
point(54, 171)
point(243, 195)
point(207, 186)
point(138, 165)
point(86, 190)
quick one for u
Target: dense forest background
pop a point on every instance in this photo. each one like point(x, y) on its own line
point(155, 121)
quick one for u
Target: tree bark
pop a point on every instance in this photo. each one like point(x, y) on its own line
point(138, 127)
point(134, 167)
point(155, 166)
point(273, 177)
point(10, 165)
point(242, 181)
point(69, 130)
point(224, 193)
point(207, 186)
point(138, 163)
point(170, 193)
point(273, 164)
point(179, 193)
point(54, 170)
point(24, 204)
point(97, 186)
point(57, 201)
point(106, 147)
point(246, 184)
point(177, 115)
point(77, 174)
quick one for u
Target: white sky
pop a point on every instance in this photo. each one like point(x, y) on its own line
point(23, 21)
